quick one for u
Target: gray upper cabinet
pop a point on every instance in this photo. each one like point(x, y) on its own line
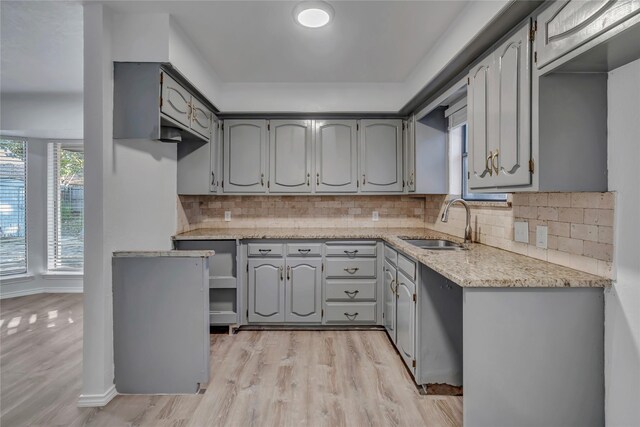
point(176, 101)
point(389, 293)
point(381, 155)
point(498, 111)
point(266, 290)
point(512, 98)
point(200, 118)
point(410, 154)
point(406, 319)
point(245, 156)
point(290, 155)
point(478, 120)
point(567, 25)
point(336, 161)
point(198, 165)
point(303, 290)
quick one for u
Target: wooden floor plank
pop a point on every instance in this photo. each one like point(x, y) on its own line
point(258, 378)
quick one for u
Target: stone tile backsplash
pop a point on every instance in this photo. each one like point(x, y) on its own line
point(580, 225)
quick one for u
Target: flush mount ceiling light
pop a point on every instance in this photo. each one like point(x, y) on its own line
point(313, 14)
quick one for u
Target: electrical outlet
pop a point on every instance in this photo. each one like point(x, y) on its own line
point(541, 236)
point(521, 232)
point(227, 215)
point(375, 216)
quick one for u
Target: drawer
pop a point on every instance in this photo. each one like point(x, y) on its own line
point(350, 290)
point(350, 312)
point(351, 268)
point(391, 255)
point(351, 250)
point(265, 249)
point(407, 266)
point(304, 249)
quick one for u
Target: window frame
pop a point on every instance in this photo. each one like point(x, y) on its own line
point(52, 147)
point(24, 272)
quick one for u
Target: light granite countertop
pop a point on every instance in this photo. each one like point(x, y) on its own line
point(477, 266)
point(169, 253)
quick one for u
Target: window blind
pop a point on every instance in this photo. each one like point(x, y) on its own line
point(65, 207)
point(13, 207)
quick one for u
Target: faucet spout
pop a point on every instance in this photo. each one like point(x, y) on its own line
point(467, 228)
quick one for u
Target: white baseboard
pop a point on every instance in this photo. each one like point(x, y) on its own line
point(97, 400)
point(33, 291)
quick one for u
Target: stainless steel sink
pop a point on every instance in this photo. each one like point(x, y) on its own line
point(435, 244)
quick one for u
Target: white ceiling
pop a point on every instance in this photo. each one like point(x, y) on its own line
point(40, 46)
point(259, 42)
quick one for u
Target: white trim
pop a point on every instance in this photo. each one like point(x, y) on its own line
point(62, 275)
point(64, 290)
point(97, 400)
point(17, 278)
point(21, 293)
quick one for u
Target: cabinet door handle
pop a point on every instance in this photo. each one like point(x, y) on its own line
point(411, 180)
point(281, 273)
point(308, 179)
point(264, 251)
point(351, 253)
point(213, 178)
point(488, 164)
point(364, 179)
point(494, 164)
point(351, 270)
point(317, 179)
point(351, 316)
point(304, 251)
point(262, 179)
point(351, 294)
point(288, 272)
point(393, 291)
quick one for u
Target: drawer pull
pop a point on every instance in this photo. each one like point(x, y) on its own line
point(304, 251)
point(351, 294)
point(264, 251)
point(351, 270)
point(351, 253)
point(351, 316)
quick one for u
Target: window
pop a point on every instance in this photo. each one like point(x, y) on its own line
point(13, 207)
point(65, 228)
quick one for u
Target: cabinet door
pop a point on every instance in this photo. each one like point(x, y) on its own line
point(290, 153)
point(390, 300)
point(245, 156)
point(200, 118)
point(336, 156)
point(215, 163)
point(381, 155)
point(175, 101)
point(266, 290)
point(410, 154)
point(406, 320)
point(478, 92)
point(303, 290)
point(194, 167)
point(566, 25)
point(510, 101)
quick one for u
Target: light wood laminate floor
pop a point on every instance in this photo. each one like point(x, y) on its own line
point(261, 378)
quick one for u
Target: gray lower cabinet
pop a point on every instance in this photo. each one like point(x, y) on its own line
point(266, 290)
point(389, 294)
point(381, 156)
point(290, 156)
point(245, 156)
point(303, 290)
point(336, 156)
point(406, 320)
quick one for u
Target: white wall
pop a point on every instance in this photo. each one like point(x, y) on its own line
point(130, 202)
point(41, 115)
point(622, 302)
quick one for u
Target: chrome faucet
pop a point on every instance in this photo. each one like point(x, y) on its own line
point(467, 228)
